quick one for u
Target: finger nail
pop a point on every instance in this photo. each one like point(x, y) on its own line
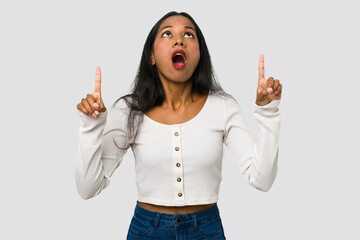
point(96, 105)
point(96, 112)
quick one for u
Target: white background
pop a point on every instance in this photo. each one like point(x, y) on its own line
point(48, 55)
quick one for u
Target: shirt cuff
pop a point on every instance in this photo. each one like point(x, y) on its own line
point(86, 118)
point(270, 107)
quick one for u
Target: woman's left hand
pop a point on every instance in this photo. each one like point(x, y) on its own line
point(269, 89)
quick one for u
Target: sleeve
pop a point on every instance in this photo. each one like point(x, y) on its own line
point(257, 159)
point(102, 144)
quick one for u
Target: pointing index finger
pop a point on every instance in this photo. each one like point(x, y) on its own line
point(261, 67)
point(98, 80)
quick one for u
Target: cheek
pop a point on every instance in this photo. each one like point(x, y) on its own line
point(196, 54)
point(159, 50)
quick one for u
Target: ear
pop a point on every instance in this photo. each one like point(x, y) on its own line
point(152, 58)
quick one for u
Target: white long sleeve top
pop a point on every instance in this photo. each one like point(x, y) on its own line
point(179, 164)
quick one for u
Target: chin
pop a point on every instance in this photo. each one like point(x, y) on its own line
point(179, 76)
point(181, 79)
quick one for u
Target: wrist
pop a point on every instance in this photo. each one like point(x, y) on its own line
point(262, 103)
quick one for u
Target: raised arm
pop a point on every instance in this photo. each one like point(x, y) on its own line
point(256, 158)
point(102, 145)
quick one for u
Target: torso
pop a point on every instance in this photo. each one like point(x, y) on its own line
point(160, 115)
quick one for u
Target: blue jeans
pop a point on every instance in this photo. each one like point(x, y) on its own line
point(205, 224)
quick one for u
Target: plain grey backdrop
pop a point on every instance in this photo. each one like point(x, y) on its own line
point(49, 52)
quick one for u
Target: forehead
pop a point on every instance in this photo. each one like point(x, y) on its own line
point(177, 20)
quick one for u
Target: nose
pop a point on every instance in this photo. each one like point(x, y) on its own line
point(179, 42)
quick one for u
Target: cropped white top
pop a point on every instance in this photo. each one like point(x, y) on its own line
point(179, 164)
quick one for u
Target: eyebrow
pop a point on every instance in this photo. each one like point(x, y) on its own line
point(172, 26)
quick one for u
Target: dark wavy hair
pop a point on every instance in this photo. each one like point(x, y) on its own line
point(147, 90)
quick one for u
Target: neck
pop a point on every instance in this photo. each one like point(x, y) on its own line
point(178, 95)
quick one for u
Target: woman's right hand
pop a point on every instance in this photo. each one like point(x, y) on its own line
point(93, 104)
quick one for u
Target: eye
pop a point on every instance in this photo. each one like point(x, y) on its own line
point(191, 35)
point(166, 33)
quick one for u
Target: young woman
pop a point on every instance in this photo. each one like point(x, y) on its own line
point(176, 120)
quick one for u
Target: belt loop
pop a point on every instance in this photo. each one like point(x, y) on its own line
point(157, 220)
point(194, 221)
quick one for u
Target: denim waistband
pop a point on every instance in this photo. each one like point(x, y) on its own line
point(176, 220)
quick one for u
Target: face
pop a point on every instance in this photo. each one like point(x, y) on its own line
point(176, 33)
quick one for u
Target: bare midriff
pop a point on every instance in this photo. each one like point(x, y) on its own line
point(175, 210)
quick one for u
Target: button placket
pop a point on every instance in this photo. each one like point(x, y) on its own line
point(178, 164)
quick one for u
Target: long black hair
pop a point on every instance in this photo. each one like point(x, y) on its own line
point(147, 90)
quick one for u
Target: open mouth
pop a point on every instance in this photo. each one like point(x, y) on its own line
point(179, 59)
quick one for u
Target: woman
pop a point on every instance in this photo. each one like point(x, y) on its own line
point(176, 120)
